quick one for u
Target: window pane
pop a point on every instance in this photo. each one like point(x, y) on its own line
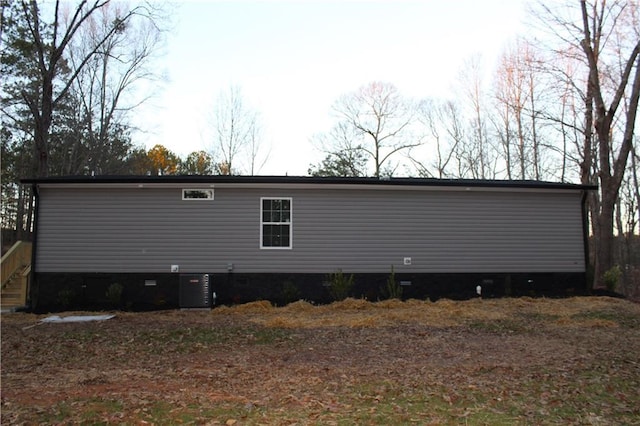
point(266, 235)
point(276, 236)
point(286, 211)
point(284, 236)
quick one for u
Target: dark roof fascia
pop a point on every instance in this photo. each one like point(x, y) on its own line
point(213, 179)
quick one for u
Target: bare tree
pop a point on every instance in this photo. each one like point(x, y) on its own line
point(440, 136)
point(379, 118)
point(104, 87)
point(510, 99)
point(236, 131)
point(602, 39)
point(516, 94)
point(612, 161)
point(532, 66)
point(51, 39)
point(256, 151)
point(477, 151)
point(568, 121)
point(503, 117)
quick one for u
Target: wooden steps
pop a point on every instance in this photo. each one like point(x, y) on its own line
point(16, 270)
point(14, 292)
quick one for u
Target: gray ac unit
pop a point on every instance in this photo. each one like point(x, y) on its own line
point(195, 291)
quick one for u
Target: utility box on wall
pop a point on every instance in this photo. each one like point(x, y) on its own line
point(195, 291)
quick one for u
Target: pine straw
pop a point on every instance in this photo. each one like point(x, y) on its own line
point(569, 312)
point(258, 307)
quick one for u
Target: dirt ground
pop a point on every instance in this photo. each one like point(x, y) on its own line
point(508, 361)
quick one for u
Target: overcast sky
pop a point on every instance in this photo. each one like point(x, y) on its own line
point(292, 60)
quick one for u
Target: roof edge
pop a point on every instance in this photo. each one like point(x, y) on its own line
point(220, 179)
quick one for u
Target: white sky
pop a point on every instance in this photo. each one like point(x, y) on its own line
point(292, 60)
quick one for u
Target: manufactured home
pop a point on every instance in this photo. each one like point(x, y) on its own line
point(151, 242)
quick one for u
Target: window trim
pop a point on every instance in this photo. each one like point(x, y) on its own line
point(207, 190)
point(289, 223)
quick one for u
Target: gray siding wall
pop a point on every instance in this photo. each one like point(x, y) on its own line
point(353, 229)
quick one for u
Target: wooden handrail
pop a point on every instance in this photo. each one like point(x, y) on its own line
point(15, 259)
point(25, 282)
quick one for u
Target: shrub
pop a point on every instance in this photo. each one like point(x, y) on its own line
point(339, 285)
point(289, 292)
point(114, 294)
point(612, 277)
point(392, 289)
point(65, 297)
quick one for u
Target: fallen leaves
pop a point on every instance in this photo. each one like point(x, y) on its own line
point(480, 361)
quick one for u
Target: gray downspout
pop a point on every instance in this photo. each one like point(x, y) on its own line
point(32, 301)
point(585, 238)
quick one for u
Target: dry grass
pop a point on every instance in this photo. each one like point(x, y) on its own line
point(443, 313)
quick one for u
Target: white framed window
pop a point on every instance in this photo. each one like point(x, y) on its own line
point(276, 231)
point(197, 194)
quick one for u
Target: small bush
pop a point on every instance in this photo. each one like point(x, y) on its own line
point(612, 277)
point(65, 297)
point(393, 289)
point(114, 294)
point(339, 285)
point(289, 292)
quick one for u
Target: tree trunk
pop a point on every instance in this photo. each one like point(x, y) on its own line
point(43, 122)
point(604, 244)
point(636, 186)
point(621, 255)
